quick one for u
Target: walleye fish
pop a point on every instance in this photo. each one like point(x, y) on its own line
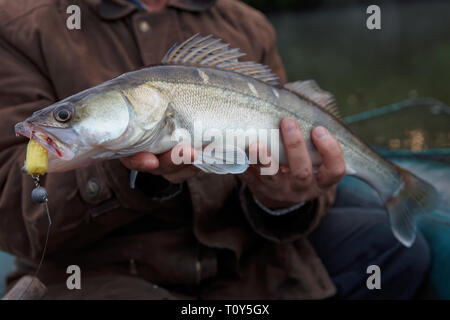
point(202, 80)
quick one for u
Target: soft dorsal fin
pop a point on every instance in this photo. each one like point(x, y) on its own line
point(213, 52)
point(311, 91)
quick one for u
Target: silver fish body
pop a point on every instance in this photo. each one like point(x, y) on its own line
point(225, 100)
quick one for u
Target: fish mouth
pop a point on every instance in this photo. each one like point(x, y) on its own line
point(59, 149)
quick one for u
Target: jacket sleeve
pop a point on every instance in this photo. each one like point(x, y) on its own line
point(290, 226)
point(302, 221)
point(75, 197)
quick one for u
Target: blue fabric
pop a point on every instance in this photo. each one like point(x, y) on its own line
point(353, 237)
point(435, 226)
point(6, 267)
point(138, 4)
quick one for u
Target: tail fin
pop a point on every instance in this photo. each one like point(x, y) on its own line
point(414, 198)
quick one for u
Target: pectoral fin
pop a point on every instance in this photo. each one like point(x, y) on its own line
point(227, 160)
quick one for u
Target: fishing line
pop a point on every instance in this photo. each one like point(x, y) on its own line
point(39, 195)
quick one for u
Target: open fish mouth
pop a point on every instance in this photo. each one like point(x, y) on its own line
point(45, 139)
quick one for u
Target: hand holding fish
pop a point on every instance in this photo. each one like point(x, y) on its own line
point(297, 183)
point(201, 80)
point(161, 165)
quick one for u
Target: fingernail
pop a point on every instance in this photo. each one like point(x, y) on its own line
point(320, 132)
point(289, 125)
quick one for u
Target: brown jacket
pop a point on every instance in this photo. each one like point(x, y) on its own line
point(211, 237)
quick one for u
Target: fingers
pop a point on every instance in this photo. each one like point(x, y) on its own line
point(181, 175)
point(267, 167)
point(252, 174)
point(332, 169)
point(166, 162)
point(298, 157)
point(143, 161)
point(162, 164)
point(258, 153)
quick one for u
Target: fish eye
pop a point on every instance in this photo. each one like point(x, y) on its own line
point(62, 114)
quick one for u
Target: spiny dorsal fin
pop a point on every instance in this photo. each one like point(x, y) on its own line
point(212, 52)
point(311, 91)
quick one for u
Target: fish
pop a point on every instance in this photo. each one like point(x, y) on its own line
point(203, 81)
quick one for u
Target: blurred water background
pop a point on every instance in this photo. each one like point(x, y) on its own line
point(408, 58)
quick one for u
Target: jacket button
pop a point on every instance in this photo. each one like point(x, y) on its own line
point(144, 26)
point(92, 187)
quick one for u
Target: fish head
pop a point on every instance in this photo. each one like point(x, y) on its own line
point(77, 129)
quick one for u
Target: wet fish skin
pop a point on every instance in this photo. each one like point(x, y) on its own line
point(228, 100)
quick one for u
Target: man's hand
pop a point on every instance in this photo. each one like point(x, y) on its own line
point(297, 183)
point(162, 165)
